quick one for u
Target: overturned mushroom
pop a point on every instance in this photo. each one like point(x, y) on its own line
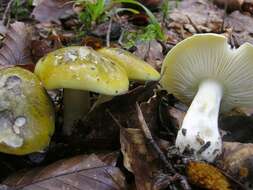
point(79, 70)
point(26, 113)
point(204, 68)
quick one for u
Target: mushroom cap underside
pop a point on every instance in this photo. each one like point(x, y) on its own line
point(26, 113)
point(209, 57)
point(81, 68)
point(136, 68)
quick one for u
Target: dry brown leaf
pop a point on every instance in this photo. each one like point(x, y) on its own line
point(139, 159)
point(151, 51)
point(237, 160)
point(16, 46)
point(237, 128)
point(230, 4)
point(52, 10)
point(86, 172)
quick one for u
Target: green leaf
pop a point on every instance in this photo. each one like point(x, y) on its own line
point(152, 18)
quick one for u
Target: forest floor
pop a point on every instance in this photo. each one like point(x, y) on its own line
point(127, 142)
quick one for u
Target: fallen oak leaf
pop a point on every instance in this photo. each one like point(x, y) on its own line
point(16, 46)
point(52, 10)
point(85, 172)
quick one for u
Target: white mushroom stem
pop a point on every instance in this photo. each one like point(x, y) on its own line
point(199, 133)
point(76, 105)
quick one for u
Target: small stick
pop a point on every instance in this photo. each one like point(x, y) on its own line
point(151, 141)
point(108, 34)
point(183, 182)
point(224, 17)
point(193, 24)
point(6, 14)
point(114, 118)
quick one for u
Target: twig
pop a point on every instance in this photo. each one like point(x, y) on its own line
point(6, 14)
point(108, 34)
point(147, 51)
point(193, 24)
point(224, 16)
point(114, 118)
point(183, 181)
point(121, 37)
point(176, 177)
point(151, 141)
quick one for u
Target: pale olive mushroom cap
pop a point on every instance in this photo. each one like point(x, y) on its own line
point(136, 68)
point(81, 68)
point(208, 56)
point(26, 113)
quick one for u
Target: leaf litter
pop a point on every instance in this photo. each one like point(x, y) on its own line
point(148, 159)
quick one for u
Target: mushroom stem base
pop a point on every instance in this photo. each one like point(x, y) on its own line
point(76, 105)
point(199, 133)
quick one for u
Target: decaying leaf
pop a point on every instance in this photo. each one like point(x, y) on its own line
point(139, 159)
point(193, 15)
point(242, 26)
point(151, 51)
point(86, 172)
point(231, 5)
point(237, 128)
point(16, 46)
point(52, 10)
point(206, 176)
point(237, 160)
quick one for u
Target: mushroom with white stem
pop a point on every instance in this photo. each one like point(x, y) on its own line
point(79, 70)
point(204, 68)
point(26, 112)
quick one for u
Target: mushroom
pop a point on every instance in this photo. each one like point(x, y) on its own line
point(204, 68)
point(79, 70)
point(26, 112)
point(136, 68)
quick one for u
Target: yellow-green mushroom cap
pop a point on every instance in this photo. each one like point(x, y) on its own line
point(208, 56)
point(81, 68)
point(26, 113)
point(136, 68)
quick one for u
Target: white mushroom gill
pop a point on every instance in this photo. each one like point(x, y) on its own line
point(199, 130)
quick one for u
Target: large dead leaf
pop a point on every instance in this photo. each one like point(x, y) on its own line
point(52, 10)
point(237, 160)
point(16, 45)
point(237, 128)
point(86, 172)
point(141, 161)
point(230, 4)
